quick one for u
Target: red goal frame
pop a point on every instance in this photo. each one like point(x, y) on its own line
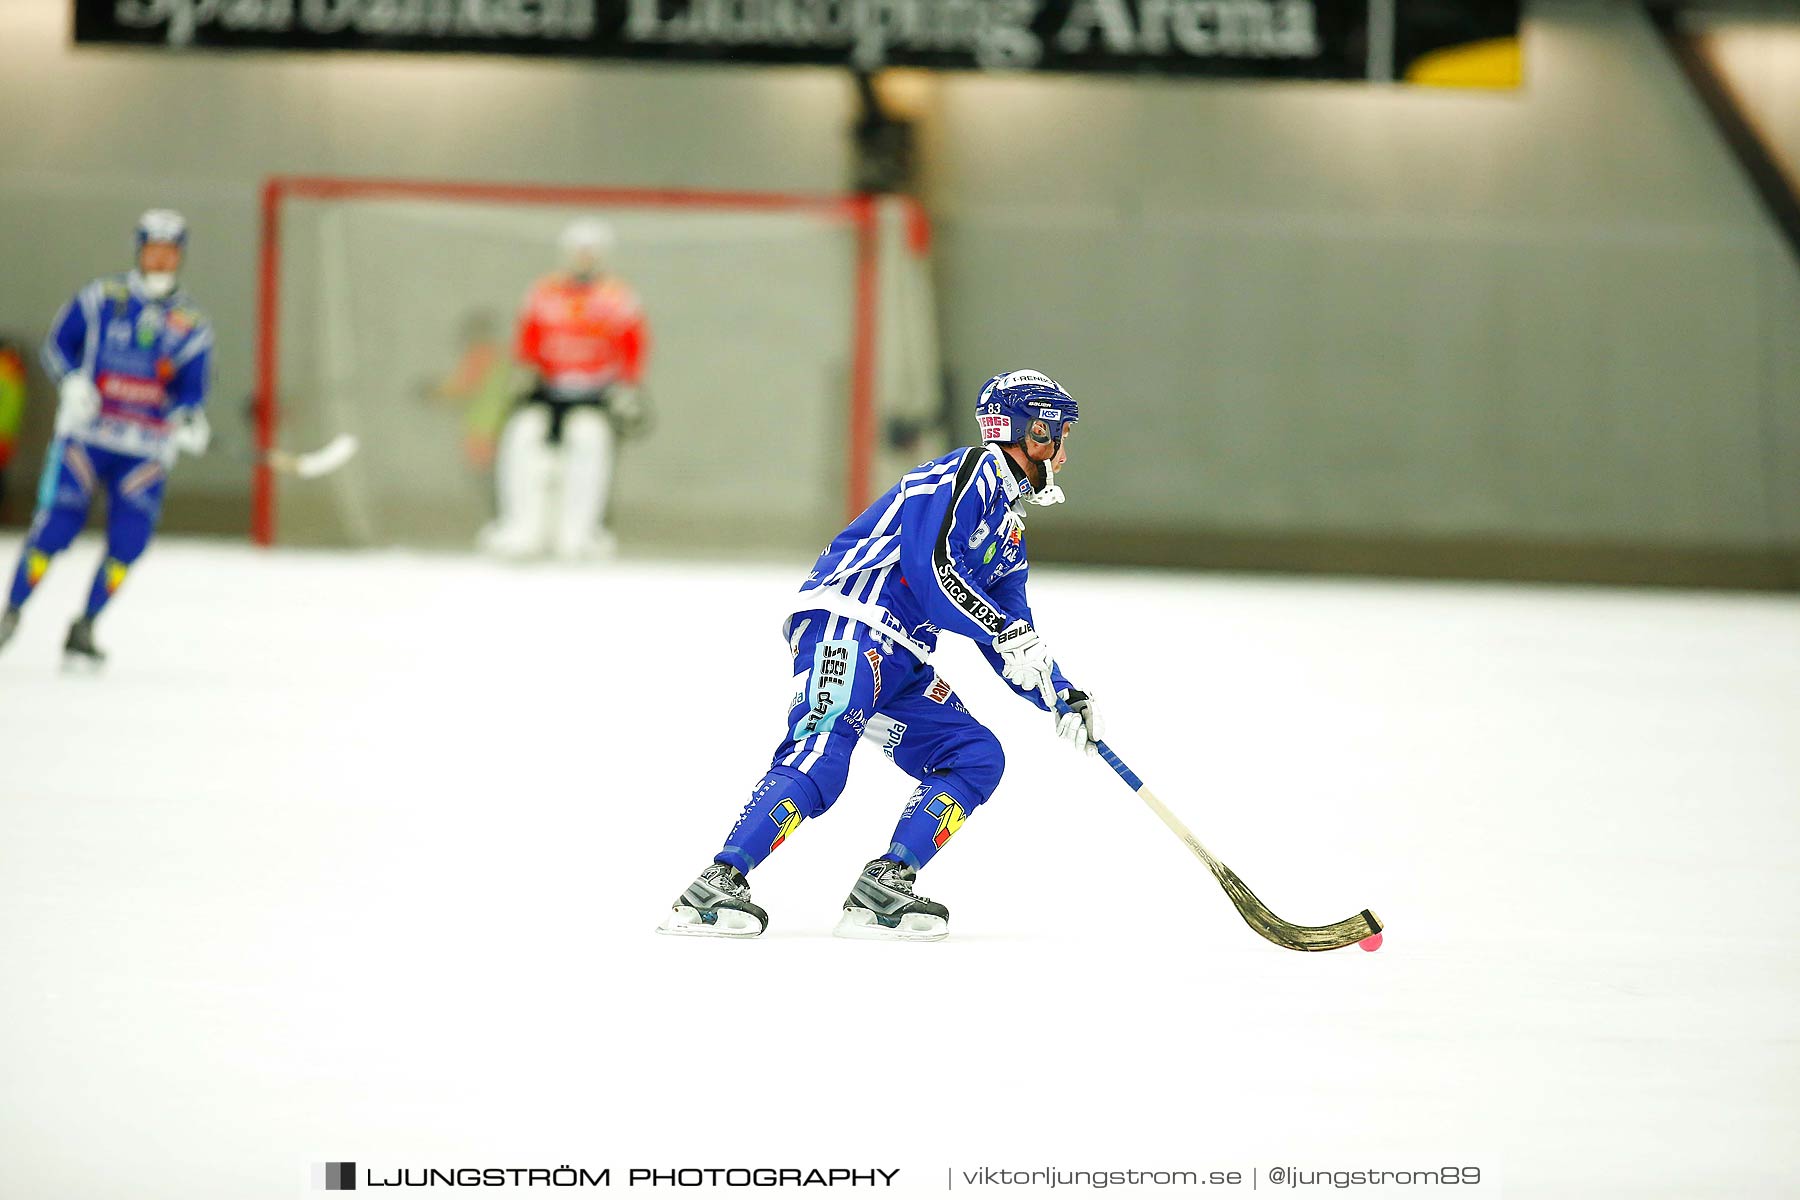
point(857, 209)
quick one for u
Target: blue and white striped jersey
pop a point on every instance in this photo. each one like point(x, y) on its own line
point(942, 551)
point(148, 358)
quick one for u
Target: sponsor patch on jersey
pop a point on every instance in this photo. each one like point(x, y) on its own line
point(973, 606)
point(939, 691)
point(149, 327)
point(885, 732)
point(828, 687)
point(980, 535)
point(996, 429)
point(874, 657)
point(989, 556)
point(128, 389)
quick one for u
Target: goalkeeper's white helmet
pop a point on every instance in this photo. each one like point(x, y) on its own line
point(586, 245)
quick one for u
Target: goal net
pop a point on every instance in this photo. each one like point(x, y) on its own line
point(788, 335)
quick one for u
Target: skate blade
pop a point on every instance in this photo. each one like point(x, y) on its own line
point(860, 923)
point(684, 920)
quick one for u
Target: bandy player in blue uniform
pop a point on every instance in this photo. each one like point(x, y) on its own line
point(942, 551)
point(130, 357)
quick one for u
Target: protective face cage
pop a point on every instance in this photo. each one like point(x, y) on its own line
point(1040, 432)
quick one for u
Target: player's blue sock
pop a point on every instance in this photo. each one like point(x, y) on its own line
point(51, 534)
point(106, 581)
point(776, 807)
point(935, 812)
point(32, 565)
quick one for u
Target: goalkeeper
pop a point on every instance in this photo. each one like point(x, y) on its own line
point(583, 337)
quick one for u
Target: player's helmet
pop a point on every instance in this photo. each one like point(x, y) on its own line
point(162, 225)
point(1029, 409)
point(1024, 407)
point(585, 245)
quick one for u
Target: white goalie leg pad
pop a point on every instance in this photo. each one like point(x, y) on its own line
point(587, 466)
point(861, 923)
point(522, 471)
point(685, 921)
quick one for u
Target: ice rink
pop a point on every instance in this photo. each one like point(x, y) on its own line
point(358, 857)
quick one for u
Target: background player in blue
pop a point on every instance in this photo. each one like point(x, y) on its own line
point(130, 357)
point(943, 550)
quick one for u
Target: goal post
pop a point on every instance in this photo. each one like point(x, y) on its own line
point(786, 329)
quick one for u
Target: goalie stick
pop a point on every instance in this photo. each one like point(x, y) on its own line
point(314, 463)
point(1364, 927)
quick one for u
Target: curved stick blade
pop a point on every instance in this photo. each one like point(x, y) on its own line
point(1286, 934)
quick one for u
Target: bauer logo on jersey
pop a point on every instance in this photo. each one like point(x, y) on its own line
point(787, 819)
point(949, 816)
point(996, 429)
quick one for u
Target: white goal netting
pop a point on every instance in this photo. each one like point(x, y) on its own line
point(395, 323)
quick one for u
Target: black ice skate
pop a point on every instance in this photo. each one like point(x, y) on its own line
point(716, 905)
point(9, 624)
point(79, 650)
point(882, 906)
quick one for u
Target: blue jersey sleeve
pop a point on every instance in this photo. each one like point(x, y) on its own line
point(1010, 591)
point(65, 349)
point(193, 368)
point(934, 548)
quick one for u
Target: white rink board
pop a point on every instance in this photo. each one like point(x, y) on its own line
point(357, 857)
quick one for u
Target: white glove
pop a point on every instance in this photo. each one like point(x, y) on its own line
point(624, 402)
point(77, 403)
point(1080, 727)
point(1025, 661)
point(192, 434)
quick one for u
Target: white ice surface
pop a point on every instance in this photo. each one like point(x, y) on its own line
point(359, 857)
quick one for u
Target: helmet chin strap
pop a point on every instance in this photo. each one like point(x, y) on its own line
point(1048, 494)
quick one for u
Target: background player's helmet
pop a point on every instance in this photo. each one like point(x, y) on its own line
point(585, 246)
point(1024, 407)
point(164, 226)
